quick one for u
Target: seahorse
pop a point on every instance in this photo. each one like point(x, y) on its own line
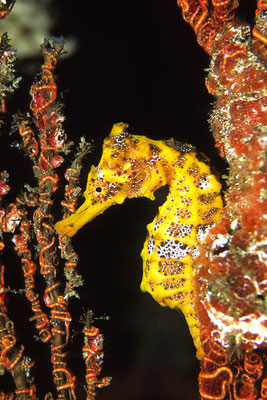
point(135, 166)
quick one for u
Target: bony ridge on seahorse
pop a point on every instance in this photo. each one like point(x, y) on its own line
point(135, 166)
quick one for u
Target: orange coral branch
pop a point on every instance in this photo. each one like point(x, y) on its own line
point(93, 356)
point(207, 18)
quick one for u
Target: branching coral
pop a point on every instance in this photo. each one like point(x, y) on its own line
point(36, 243)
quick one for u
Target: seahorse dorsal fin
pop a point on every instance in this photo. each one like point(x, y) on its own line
point(118, 128)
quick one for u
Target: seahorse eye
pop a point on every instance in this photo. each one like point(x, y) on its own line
point(99, 189)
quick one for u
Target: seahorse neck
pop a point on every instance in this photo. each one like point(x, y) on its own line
point(159, 173)
point(170, 162)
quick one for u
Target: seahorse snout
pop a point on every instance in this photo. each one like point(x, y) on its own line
point(70, 226)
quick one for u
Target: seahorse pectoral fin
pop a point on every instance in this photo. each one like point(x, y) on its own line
point(88, 211)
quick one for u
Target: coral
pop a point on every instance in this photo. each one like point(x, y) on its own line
point(207, 18)
point(8, 81)
point(231, 271)
point(28, 24)
point(93, 354)
point(35, 242)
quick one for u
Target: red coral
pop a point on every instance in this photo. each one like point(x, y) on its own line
point(232, 274)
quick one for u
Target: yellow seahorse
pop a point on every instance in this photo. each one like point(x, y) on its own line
point(135, 166)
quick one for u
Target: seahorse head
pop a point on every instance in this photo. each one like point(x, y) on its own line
point(130, 166)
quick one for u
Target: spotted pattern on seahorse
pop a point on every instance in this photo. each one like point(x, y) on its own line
point(135, 166)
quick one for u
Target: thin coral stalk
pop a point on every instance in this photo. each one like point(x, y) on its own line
point(30, 220)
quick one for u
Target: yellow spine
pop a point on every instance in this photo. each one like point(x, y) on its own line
point(192, 206)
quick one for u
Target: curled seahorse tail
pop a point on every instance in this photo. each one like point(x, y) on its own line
point(194, 326)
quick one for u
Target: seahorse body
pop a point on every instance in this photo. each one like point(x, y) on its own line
point(135, 166)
